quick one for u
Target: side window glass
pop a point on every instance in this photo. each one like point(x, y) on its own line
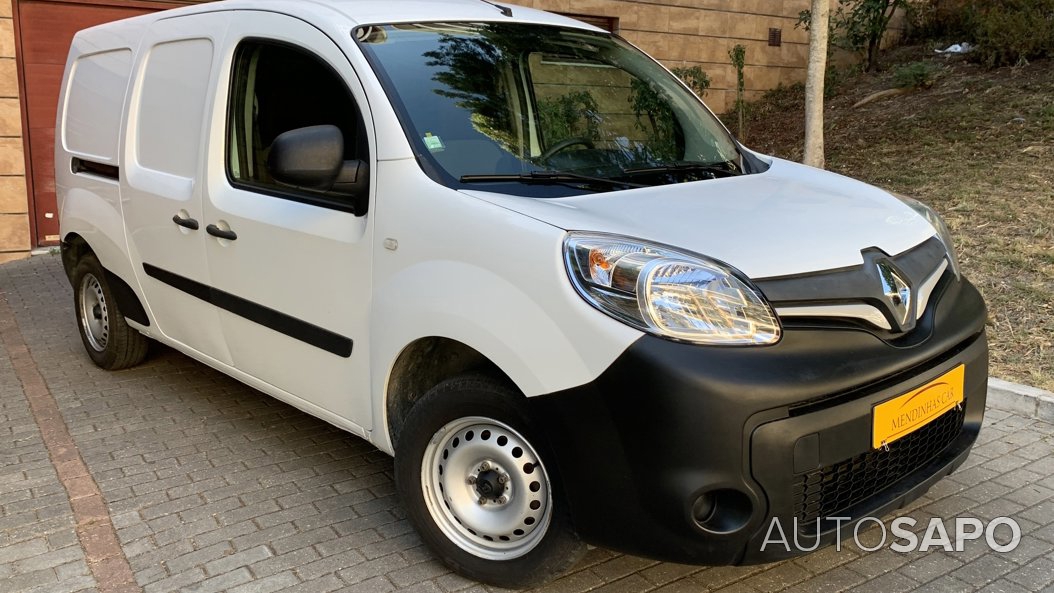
point(277, 88)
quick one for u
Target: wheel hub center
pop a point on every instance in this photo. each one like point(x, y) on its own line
point(487, 484)
point(96, 312)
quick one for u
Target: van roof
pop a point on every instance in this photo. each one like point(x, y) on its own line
point(366, 12)
point(354, 12)
point(378, 12)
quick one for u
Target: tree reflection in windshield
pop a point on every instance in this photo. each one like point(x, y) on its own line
point(500, 99)
point(571, 115)
point(472, 71)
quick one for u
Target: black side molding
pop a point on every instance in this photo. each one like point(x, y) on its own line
point(280, 322)
point(79, 165)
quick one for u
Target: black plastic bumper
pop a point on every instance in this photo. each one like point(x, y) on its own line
point(669, 423)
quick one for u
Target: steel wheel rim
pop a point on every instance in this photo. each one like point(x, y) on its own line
point(95, 318)
point(462, 458)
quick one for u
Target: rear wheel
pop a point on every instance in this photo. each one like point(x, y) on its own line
point(111, 343)
point(481, 487)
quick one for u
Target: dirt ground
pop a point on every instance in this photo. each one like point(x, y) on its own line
point(978, 146)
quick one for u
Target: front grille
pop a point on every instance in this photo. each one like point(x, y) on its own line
point(830, 490)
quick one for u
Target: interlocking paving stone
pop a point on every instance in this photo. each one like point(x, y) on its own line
point(39, 548)
point(212, 486)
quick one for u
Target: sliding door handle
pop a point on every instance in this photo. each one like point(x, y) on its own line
point(216, 231)
point(187, 223)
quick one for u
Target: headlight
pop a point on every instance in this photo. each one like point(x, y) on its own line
point(938, 225)
point(668, 293)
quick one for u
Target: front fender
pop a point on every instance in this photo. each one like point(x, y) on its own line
point(501, 321)
point(506, 324)
point(457, 267)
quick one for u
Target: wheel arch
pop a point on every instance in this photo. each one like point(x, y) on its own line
point(74, 248)
point(423, 364)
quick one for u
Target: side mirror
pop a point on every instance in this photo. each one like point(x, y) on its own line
point(353, 180)
point(312, 158)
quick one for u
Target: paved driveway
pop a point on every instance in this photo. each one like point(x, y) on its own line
point(173, 477)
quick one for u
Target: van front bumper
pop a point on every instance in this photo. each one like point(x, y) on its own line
point(687, 453)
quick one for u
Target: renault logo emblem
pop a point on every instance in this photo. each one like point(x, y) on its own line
point(897, 294)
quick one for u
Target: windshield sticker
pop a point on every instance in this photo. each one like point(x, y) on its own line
point(433, 143)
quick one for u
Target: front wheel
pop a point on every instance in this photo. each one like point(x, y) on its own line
point(480, 487)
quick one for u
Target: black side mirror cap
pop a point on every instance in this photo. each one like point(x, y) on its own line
point(312, 158)
point(309, 158)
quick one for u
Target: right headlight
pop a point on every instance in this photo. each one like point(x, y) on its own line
point(667, 292)
point(938, 225)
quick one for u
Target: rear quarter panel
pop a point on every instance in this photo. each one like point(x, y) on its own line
point(89, 205)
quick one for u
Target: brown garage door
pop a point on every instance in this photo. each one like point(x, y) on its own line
point(44, 30)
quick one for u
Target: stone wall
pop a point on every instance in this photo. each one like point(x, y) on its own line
point(14, 203)
point(701, 32)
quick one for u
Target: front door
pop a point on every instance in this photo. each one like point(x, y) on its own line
point(290, 269)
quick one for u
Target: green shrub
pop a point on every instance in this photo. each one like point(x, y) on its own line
point(1012, 32)
point(915, 75)
point(695, 77)
point(1046, 115)
point(947, 21)
point(837, 76)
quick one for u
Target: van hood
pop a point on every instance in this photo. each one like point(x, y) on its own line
point(790, 219)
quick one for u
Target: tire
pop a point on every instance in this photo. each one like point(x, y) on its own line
point(111, 343)
point(470, 438)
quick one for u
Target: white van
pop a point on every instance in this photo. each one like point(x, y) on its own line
point(518, 254)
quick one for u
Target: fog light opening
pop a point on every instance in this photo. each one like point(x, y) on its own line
point(722, 511)
point(703, 509)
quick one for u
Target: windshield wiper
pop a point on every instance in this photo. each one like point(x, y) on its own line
point(724, 169)
point(543, 177)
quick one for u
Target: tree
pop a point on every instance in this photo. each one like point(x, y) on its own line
point(738, 55)
point(864, 23)
point(818, 36)
point(859, 26)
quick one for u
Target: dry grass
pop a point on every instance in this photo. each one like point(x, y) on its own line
point(979, 147)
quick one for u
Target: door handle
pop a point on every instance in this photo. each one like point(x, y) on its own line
point(216, 231)
point(187, 223)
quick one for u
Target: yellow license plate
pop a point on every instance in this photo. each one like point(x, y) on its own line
point(907, 413)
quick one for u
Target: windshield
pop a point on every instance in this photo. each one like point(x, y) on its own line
point(542, 110)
